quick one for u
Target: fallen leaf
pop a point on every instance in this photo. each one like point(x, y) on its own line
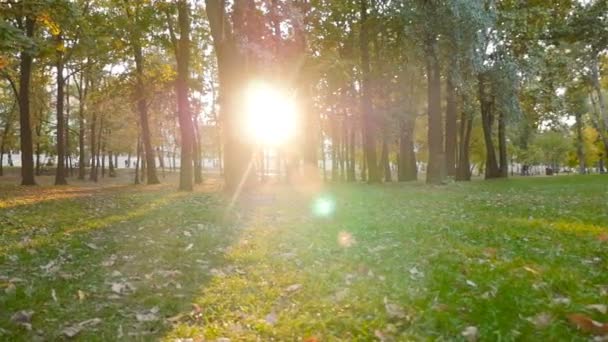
point(346, 239)
point(561, 300)
point(394, 310)
point(542, 320)
point(92, 246)
point(23, 318)
point(75, 329)
point(531, 270)
point(586, 324)
point(471, 283)
point(470, 333)
point(271, 318)
point(598, 307)
point(148, 315)
point(293, 288)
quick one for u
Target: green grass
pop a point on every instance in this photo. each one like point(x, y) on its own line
point(396, 261)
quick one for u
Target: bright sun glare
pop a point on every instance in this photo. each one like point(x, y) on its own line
point(271, 114)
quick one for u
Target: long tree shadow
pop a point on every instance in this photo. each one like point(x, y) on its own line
point(131, 258)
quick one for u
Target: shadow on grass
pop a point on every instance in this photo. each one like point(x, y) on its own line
point(135, 252)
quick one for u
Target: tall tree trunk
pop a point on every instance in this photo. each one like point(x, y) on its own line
point(351, 152)
point(93, 170)
point(137, 159)
point(69, 170)
point(5, 134)
point(60, 171)
point(335, 168)
point(407, 170)
point(451, 128)
point(232, 71)
point(183, 104)
point(142, 108)
point(384, 162)
point(435, 130)
point(82, 88)
point(502, 145)
point(463, 172)
point(595, 80)
point(25, 72)
point(487, 117)
point(368, 124)
point(198, 158)
point(38, 149)
point(580, 152)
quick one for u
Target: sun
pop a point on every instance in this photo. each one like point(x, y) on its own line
point(271, 115)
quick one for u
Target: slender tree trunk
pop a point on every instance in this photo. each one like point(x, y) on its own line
point(334, 151)
point(384, 162)
point(407, 157)
point(198, 161)
point(463, 172)
point(502, 145)
point(580, 152)
point(142, 108)
point(232, 71)
point(69, 171)
point(184, 115)
point(435, 129)
point(451, 114)
point(368, 125)
point(595, 80)
point(491, 170)
point(93, 170)
point(137, 159)
point(25, 72)
point(60, 171)
point(82, 89)
point(351, 153)
point(112, 171)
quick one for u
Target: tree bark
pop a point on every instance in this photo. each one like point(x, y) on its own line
point(82, 92)
point(502, 145)
point(407, 170)
point(25, 72)
point(232, 71)
point(60, 171)
point(435, 129)
point(580, 152)
point(451, 127)
point(93, 142)
point(463, 172)
point(183, 104)
point(368, 125)
point(487, 117)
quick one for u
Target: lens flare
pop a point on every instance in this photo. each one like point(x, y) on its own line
point(271, 115)
point(323, 206)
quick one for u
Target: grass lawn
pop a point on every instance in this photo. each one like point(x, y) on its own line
point(498, 260)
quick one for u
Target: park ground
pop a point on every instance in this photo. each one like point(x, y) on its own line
point(518, 259)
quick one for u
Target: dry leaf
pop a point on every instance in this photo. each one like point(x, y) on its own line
point(393, 310)
point(470, 333)
point(75, 329)
point(271, 318)
point(148, 315)
point(542, 320)
point(598, 307)
point(586, 324)
point(293, 288)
